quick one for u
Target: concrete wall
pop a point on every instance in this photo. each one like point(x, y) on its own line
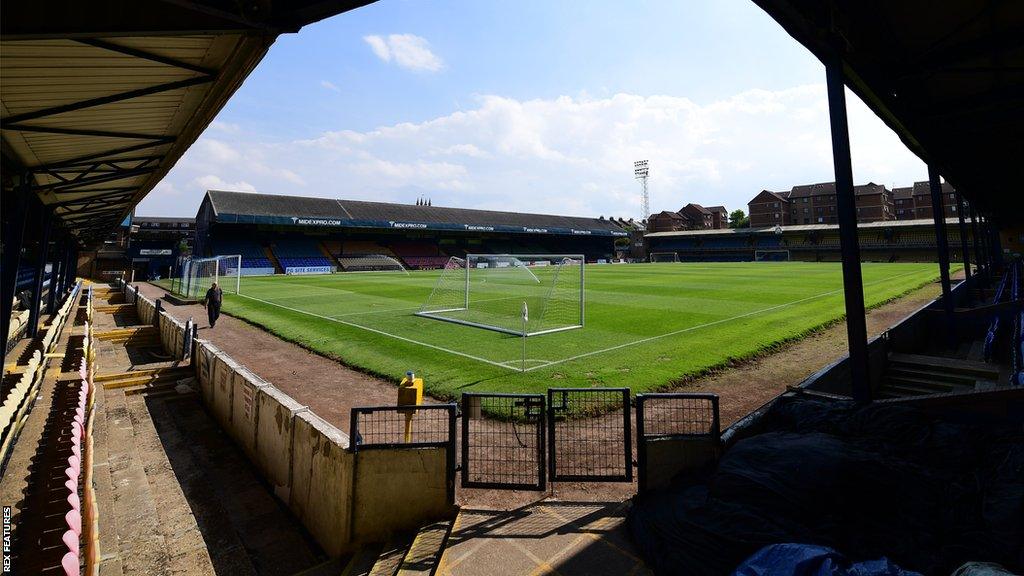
point(397, 489)
point(308, 461)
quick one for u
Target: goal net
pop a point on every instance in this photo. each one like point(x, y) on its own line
point(520, 294)
point(664, 257)
point(771, 255)
point(370, 263)
point(198, 274)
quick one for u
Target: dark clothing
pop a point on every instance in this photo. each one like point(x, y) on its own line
point(214, 297)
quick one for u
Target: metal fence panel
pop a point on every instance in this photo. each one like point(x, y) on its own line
point(503, 441)
point(589, 435)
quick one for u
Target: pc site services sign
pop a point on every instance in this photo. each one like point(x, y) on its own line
point(293, 270)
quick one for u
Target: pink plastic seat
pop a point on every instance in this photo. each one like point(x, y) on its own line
point(71, 485)
point(72, 474)
point(70, 564)
point(74, 520)
point(76, 504)
point(75, 464)
point(71, 541)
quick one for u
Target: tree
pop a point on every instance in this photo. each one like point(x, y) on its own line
point(738, 219)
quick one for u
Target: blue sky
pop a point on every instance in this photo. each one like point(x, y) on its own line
point(532, 106)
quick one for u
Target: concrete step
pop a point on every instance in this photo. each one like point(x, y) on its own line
point(919, 361)
point(926, 385)
point(362, 561)
point(146, 372)
point(934, 375)
point(391, 556)
point(424, 554)
point(149, 380)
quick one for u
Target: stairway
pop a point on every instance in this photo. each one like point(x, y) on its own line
point(405, 554)
point(920, 375)
point(269, 253)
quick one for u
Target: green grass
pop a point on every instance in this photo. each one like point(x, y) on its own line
point(647, 325)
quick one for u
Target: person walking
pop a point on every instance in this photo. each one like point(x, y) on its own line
point(214, 297)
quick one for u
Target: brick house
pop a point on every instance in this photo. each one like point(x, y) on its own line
point(719, 217)
point(816, 203)
point(922, 196)
point(769, 209)
point(667, 221)
point(699, 217)
point(903, 203)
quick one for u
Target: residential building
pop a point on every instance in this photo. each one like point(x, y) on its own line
point(770, 209)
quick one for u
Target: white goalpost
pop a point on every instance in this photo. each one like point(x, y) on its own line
point(198, 274)
point(664, 257)
point(519, 294)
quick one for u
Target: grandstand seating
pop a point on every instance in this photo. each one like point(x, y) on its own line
point(422, 255)
point(251, 252)
point(297, 251)
point(363, 247)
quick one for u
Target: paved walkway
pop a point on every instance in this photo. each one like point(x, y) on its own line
point(566, 538)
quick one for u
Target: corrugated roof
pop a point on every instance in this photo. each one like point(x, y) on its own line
point(252, 204)
point(101, 98)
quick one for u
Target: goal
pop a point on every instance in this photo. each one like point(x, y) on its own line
point(664, 257)
point(370, 263)
point(771, 255)
point(198, 274)
point(520, 294)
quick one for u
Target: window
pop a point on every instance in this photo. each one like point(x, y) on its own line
point(805, 200)
point(776, 205)
point(831, 208)
point(807, 210)
point(954, 209)
point(776, 215)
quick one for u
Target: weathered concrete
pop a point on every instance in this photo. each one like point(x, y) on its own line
point(398, 490)
point(275, 416)
point(321, 481)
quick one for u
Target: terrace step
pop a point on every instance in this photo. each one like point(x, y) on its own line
point(979, 369)
point(424, 554)
point(947, 378)
point(146, 372)
point(390, 560)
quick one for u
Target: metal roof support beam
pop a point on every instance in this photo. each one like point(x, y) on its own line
point(84, 132)
point(65, 186)
point(942, 246)
point(135, 52)
point(16, 210)
point(98, 156)
point(92, 102)
point(71, 270)
point(101, 199)
point(853, 287)
point(45, 224)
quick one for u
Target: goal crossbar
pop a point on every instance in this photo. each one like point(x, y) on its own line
point(493, 291)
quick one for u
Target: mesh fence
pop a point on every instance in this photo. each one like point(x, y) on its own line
point(503, 441)
point(661, 415)
point(590, 434)
point(390, 426)
point(370, 263)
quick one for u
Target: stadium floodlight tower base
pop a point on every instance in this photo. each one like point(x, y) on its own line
point(517, 294)
point(771, 255)
point(664, 257)
point(198, 274)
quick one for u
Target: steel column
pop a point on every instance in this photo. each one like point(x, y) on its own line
point(58, 251)
point(14, 229)
point(853, 288)
point(942, 243)
point(963, 236)
point(37, 282)
point(976, 241)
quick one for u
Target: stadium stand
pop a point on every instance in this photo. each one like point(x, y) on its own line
point(420, 255)
point(254, 261)
point(299, 251)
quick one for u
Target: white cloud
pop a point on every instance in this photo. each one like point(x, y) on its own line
point(406, 50)
point(330, 85)
point(562, 155)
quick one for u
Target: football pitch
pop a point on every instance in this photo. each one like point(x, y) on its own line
point(646, 325)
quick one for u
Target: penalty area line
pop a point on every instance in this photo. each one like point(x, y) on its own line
point(383, 333)
point(706, 324)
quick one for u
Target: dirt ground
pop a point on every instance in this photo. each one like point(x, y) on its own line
point(332, 389)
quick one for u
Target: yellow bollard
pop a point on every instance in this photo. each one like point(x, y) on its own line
point(410, 393)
